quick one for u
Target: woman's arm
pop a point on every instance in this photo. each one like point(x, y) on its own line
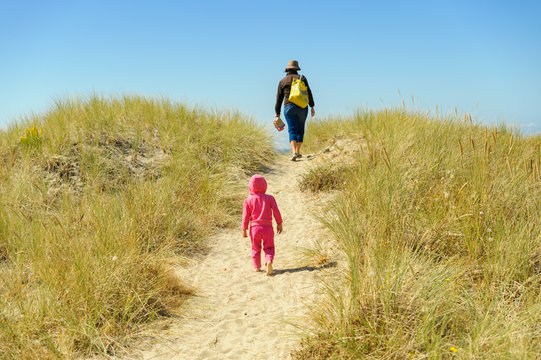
point(310, 97)
point(279, 99)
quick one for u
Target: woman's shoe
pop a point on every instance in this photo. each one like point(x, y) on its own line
point(299, 155)
point(294, 157)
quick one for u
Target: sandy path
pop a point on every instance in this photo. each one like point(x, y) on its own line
point(240, 314)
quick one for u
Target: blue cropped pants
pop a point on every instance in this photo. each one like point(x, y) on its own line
point(295, 118)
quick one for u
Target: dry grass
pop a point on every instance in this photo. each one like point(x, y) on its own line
point(325, 178)
point(441, 226)
point(94, 209)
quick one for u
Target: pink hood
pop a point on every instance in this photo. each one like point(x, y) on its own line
point(257, 185)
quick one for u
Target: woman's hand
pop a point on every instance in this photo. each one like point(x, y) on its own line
point(244, 234)
point(313, 111)
point(279, 228)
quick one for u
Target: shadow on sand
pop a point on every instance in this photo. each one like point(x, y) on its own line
point(305, 268)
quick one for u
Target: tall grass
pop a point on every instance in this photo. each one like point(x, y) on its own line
point(441, 225)
point(95, 210)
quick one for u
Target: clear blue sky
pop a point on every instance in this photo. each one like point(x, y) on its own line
point(483, 57)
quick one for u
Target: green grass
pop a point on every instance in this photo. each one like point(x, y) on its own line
point(441, 225)
point(97, 209)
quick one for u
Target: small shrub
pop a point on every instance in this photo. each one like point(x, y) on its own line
point(33, 138)
point(325, 178)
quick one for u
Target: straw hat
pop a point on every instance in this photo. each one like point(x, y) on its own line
point(292, 65)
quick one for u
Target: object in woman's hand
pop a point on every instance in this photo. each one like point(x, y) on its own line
point(279, 124)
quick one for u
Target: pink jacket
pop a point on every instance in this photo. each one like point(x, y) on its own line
point(259, 207)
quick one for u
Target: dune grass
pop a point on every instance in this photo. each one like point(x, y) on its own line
point(440, 222)
point(95, 203)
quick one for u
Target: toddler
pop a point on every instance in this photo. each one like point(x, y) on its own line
point(258, 210)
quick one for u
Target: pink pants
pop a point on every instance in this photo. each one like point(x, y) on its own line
point(258, 234)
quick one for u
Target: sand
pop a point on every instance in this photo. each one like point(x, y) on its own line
point(240, 314)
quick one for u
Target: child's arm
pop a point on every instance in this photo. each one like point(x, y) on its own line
point(246, 211)
point(277, 215)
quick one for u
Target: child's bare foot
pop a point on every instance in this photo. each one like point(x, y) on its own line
point(270, 271)
point(257, 269)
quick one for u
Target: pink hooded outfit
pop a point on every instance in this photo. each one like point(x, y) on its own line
point(258, 210)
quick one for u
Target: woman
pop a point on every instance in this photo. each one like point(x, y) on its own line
point(294, 114)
